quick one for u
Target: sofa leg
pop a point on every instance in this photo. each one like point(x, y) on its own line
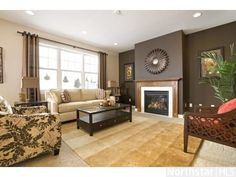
point(56, 151)
point(185, 142)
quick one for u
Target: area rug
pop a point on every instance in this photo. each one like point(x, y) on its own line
point(145, 142)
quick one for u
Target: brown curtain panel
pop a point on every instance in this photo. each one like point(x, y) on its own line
point(30, 66)
point(103, 63)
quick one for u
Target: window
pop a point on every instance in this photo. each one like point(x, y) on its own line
point(67, 69)
point(48, 61)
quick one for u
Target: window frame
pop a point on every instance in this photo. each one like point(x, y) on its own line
point(59, 69)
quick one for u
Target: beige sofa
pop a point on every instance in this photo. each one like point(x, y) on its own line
point(79, 98)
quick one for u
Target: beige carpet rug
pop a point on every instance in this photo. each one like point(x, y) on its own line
point(144, 142)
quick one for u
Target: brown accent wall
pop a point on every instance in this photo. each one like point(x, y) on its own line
point(173, 44)
point(183, 51)
point(221, 36)
point(127, 88)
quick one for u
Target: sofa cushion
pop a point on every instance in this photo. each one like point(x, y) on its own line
point(5, 108)
point(56, 95)
point(65, 96)
point(88, 94)
point(75, 94)
point(72, 106)
point(228, 106)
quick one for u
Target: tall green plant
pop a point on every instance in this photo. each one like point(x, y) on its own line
point(224, 84)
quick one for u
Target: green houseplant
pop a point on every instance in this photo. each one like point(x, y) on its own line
point(224, 84)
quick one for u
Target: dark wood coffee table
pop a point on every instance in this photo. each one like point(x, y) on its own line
point(99, 117)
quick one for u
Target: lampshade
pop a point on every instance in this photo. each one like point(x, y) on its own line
point(29, 82)
point(111, 83)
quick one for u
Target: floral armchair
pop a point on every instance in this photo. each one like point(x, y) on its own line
point(206, 123)
point(28, 132)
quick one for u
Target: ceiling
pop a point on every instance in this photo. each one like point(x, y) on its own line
point(106, 28)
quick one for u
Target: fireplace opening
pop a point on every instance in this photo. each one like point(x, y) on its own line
point(156, 102)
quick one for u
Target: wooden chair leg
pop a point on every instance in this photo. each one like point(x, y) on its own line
point(56, 152)
point(185, 142)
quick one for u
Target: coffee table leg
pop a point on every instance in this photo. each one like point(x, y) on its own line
point(91, 124)
point(77, 112)
point(130, 112)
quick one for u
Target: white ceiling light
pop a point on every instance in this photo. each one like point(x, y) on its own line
point(197, 14)
point(29, 12)
point(115, 43)
point(84, 32)
point(117, 12)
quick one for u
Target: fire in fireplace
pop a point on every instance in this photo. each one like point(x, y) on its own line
point(156, 102)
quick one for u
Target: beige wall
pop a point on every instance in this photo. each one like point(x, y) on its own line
point(12, 57)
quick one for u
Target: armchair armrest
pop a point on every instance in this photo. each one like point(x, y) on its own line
point(29, 110)
point(226, 115)
point(197, 121)
point(26, 136)
point(35, 120)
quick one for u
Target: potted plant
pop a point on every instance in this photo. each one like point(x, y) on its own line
point(224, 84)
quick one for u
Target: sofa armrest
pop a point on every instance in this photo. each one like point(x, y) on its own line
point(29, 110)
point(53, 105)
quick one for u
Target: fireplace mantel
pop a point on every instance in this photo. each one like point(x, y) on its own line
point(170, 82)
point(160, 80)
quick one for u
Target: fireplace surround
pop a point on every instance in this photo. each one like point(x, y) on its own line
point(170, 85)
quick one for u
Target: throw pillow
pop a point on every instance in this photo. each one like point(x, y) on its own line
point(65, 96)
point(5, 107)
point(100, 94)
point(228, 106)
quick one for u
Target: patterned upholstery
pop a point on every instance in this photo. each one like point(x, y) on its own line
point(27, 133)
point(220, 128)
point(29, 110)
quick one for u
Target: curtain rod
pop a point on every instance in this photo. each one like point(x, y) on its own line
point(50, 40)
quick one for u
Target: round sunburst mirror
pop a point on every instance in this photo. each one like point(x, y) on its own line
point(156, 61)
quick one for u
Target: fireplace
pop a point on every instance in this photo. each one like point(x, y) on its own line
point(169, 85)
point(156, 102)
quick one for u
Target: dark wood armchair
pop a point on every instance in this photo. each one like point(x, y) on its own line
point(206, 124)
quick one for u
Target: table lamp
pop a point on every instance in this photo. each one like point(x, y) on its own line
point(30, 87)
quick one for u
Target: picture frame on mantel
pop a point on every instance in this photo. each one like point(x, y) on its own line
point(129, 72)
point(207, 64)
point(1, 65)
